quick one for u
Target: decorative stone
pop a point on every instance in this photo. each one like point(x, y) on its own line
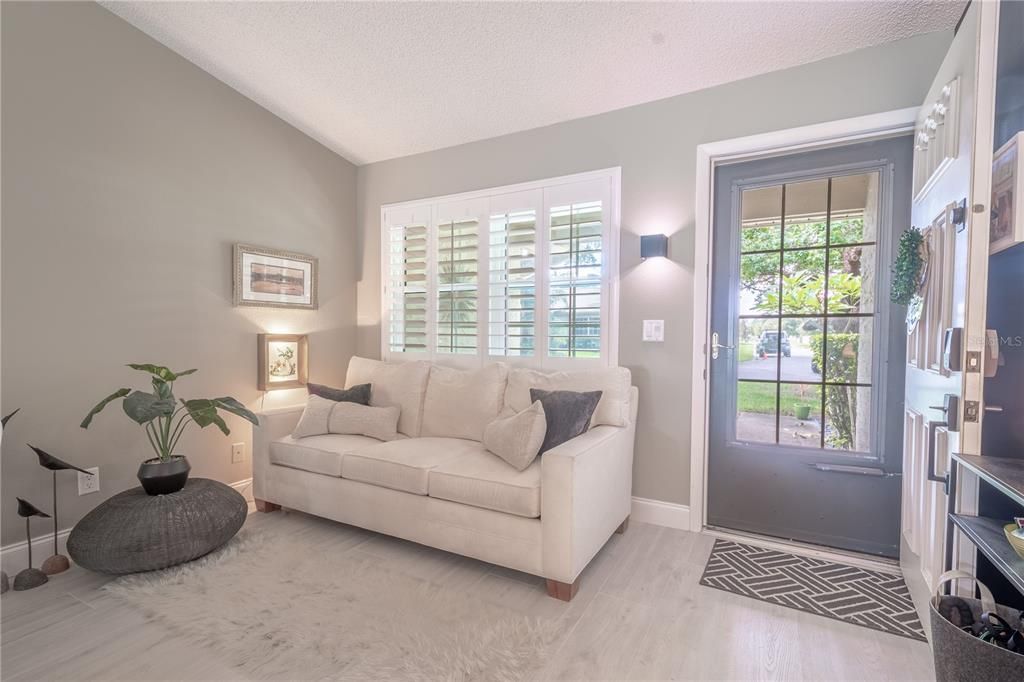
point(29, 578)
point(58, 563)
point(133, 531)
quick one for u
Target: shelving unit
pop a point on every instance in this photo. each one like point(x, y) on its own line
point(1006, 476)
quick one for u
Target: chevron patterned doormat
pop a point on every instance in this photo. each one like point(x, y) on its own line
point(871, 599)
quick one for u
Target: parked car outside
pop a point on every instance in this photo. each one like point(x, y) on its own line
point(768, 344)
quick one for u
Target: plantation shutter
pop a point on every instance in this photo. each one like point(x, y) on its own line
point(512, 278)
point(407, 287)
point(458, 267)
point(575, 261)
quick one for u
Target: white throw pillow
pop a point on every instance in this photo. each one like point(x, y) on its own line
point(315, 417)
point(460, 403)
point(323, 416)
point(613, 382)
point(399, 384)
point(517, 439)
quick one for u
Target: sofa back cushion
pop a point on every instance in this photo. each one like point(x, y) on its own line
point(613, 382)
point(461, 403)
point(399, 384)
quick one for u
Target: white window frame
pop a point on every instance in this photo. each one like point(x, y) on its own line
point(540, 195)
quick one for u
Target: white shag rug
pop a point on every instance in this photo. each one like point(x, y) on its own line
point(277, 607)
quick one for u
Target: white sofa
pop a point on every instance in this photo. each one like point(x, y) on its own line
point(437, 485)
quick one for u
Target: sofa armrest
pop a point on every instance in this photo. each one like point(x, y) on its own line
point(274, 425)
point(586, 493)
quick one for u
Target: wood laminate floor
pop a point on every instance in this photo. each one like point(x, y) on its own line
point(639, 615)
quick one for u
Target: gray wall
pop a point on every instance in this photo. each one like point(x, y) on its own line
point(655, 144)
point(128, 173)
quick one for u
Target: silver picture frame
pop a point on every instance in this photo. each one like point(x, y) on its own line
point(272, 278)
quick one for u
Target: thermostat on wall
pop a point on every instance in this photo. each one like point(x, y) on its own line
point(654, 330)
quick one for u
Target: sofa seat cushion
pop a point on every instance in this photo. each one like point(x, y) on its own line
point(482, 479)
point(404, 464)
point(317, 454)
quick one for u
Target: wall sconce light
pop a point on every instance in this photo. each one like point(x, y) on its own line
point(653, 246)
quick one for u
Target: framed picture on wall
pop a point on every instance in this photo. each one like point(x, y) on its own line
point(1007, 227)
point(277, 279)
point(282, 361)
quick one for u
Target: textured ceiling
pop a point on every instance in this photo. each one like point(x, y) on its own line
point(377, 80)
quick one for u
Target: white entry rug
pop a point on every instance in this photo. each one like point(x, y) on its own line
point(277, 606)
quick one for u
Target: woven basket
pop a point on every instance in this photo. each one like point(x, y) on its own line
point(133, 531)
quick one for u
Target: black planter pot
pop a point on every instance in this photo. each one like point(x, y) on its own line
point(164, 478)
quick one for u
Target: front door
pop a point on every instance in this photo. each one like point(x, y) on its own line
point(807, 351)
point(952, 186)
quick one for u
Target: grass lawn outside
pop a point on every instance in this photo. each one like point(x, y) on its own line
point(746, 351)
point(755, 396)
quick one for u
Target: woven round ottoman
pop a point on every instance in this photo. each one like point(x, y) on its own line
point(133, 531)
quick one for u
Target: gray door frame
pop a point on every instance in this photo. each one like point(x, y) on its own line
point(844, 525)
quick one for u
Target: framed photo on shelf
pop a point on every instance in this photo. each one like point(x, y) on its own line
point(1007, 226)
point(276, 279)
point(282, 361)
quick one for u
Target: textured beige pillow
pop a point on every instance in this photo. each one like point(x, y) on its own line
point(323, 416)
point(361, 420)
point(517, 439)
point(461, 403)
point(398, 384)
point(613, 382)
point(315, 417)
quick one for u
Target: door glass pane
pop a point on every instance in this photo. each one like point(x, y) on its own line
point(848, 418)
point(849, 350)
point(851, 279)
point(806, 204)
point(755, 336)
point(805, 306)
point(800, 418)
point(756, 411)
point(803, 282)
point(759, 284)
point(761, 227)
point(800, 337)
point(854, 209)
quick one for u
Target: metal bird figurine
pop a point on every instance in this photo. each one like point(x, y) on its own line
point(3, 422)
point(58, 563)
point(30, 577)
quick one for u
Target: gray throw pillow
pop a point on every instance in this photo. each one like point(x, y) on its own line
point(357, 394)
point(568, 414)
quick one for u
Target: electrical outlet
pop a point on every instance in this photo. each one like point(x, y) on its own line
point(89, 484)
point(237, 453)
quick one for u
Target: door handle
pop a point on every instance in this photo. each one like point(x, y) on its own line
point(933, 428)
point(715, 346)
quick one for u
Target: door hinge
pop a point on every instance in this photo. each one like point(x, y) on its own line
point(960, 215)
point(971, 410)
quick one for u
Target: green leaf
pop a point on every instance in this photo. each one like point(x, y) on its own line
point(204, 412)
point(162, 389)
point(145, 407)
point(162, 372)
point(119, 393)
point(234, 407)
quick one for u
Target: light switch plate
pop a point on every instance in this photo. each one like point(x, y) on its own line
point(89, 484)
point(654, 330)
point(237, 453)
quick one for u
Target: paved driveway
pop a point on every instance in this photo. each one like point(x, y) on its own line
point(795, 368)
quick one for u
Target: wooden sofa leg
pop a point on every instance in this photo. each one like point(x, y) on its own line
point(563, 591)
point(266, 507)
point(623, 526)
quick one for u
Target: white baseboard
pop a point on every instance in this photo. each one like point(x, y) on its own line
point(14, 557)
point(660, 513)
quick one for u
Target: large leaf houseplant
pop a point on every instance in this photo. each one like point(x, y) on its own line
point(165, 419)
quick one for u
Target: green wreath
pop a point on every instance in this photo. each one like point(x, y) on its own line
point(909, 265)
